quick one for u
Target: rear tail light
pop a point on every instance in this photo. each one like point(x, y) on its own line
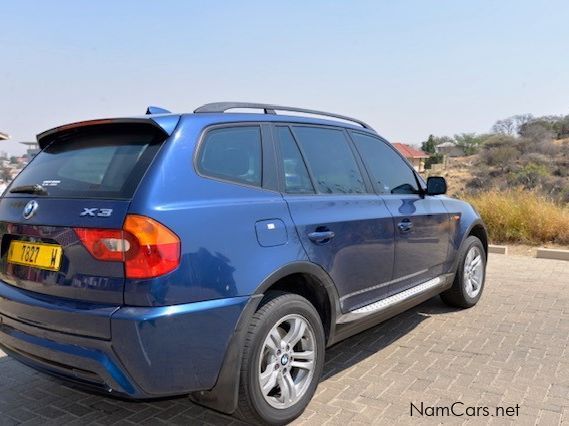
point(155, 251)
point(147, 248)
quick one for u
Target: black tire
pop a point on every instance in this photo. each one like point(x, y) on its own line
point(252, 406)
point(457, 295)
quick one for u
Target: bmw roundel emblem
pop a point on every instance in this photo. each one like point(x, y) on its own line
point(30, 209)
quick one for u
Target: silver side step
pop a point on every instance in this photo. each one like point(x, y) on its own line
point(390, 301)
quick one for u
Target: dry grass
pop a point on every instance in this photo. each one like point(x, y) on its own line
point(518, 216)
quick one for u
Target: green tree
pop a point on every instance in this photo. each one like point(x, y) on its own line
point(429, 145)
point(507, 126)
point(521, 119)
point(469, 142)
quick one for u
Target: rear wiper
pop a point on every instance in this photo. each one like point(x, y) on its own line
point(29, 189)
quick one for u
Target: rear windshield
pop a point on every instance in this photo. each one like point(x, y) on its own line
point(101, 162)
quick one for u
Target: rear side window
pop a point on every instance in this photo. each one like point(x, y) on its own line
point(98, 162)
point(391, 174)
point(232, 153)
point(297, 180)
point(330, 160)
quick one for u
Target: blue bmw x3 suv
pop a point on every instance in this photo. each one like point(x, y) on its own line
point(218, 253)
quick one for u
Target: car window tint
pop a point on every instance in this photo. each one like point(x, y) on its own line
point(106, 161)
point(232, 153)
point(297, 180)
point(330, 160)
point(387, 168)
point(94, 165)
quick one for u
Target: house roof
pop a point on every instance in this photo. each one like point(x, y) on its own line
point(409, 152)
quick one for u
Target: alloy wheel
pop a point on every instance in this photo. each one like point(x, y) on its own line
point(473, 272)
point(287, 361)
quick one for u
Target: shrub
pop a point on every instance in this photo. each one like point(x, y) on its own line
point(492, 141)
point(434, 159)
point(518, 216)
point(536, 158)
point(556, 188)
point(500, 155)
point(481, 179)
point(545, 146)
point(529, 176)
point(537, 130)
point(562, 169)
point(565, 148)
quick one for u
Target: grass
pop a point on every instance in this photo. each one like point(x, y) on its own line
point(526, 217)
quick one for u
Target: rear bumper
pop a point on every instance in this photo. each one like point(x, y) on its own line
point(152, 352)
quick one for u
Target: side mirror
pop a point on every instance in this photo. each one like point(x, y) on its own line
point(436, 185)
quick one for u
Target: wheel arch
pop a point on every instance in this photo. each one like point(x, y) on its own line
point(478, 230)
point(317, 287)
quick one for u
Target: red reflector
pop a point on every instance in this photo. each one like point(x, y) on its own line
point(147, 248)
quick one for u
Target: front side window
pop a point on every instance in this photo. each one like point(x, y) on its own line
point(391, 174)
point(297, 180)
point(330, 160)
point(232, 153)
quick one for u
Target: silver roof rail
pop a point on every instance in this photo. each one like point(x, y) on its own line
point(220, 107)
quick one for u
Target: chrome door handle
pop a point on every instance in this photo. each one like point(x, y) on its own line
point(321, 237)
point(405, 225)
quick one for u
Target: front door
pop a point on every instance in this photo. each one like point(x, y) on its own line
point(421, 239)
point(421, 222)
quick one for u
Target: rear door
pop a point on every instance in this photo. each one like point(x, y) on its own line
point(421, 222)
point(343, 227)
point(84, 178)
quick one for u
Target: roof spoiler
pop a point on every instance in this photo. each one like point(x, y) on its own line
point(166, 124)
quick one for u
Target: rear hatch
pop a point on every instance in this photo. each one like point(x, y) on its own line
point(83, 179)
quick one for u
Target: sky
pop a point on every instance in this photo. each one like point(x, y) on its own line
point(408, 68)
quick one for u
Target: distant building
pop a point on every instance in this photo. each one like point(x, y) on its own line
point(11, 166)
point(415, 156)
point(32, 149)
point(3, 165)
point(449, 149)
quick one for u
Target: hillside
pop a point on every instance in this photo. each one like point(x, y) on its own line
point(510, 164)
point(517, 177)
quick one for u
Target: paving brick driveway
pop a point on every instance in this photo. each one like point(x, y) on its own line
point(510, 349)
